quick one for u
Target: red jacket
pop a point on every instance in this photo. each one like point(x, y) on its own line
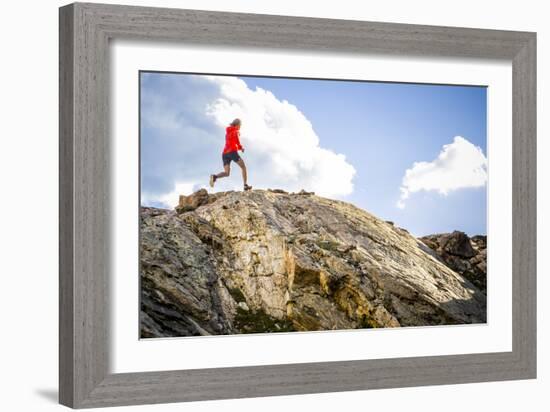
point(232, 143)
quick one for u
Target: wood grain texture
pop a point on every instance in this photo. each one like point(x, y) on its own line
point(66, 228)
point(85, 31)
point(524, 184)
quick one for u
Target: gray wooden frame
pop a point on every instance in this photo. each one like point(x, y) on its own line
point(85, 31)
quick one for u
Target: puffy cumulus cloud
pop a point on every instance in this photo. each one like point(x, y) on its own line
point(459, 165)
point(183, 133)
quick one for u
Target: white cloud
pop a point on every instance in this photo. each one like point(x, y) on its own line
point(170, 199)
point(186, 118)
point(459, 165)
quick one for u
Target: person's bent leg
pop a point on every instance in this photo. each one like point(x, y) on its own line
point(243, 170)
point(225, 173)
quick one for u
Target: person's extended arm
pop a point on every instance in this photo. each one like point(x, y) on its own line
point(239, 145)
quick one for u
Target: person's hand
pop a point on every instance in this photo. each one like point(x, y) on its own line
point(242, 149)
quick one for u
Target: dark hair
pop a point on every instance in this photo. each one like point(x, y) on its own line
point(236, 122)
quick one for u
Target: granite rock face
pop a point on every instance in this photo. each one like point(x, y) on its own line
point(466, 256)
point(271, 261)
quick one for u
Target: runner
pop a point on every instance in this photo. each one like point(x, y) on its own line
point(231, 153)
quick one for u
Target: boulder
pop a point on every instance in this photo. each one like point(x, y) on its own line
point(458, 244)
point(193, 201)
point(467, 256)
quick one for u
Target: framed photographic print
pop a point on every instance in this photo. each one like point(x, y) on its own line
point(302, 194)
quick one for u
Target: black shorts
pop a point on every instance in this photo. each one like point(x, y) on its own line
point(228, 157)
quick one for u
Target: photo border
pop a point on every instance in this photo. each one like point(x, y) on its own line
point(239, 75)
point(84, 159)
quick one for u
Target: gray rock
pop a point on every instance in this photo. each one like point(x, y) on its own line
point(467, 256)
point(297, 263)
point(243, 306)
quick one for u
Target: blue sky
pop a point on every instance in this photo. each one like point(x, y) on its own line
point(382, 129)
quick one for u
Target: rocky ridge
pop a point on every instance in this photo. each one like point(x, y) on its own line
point(466, 256)
point(271, 261)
